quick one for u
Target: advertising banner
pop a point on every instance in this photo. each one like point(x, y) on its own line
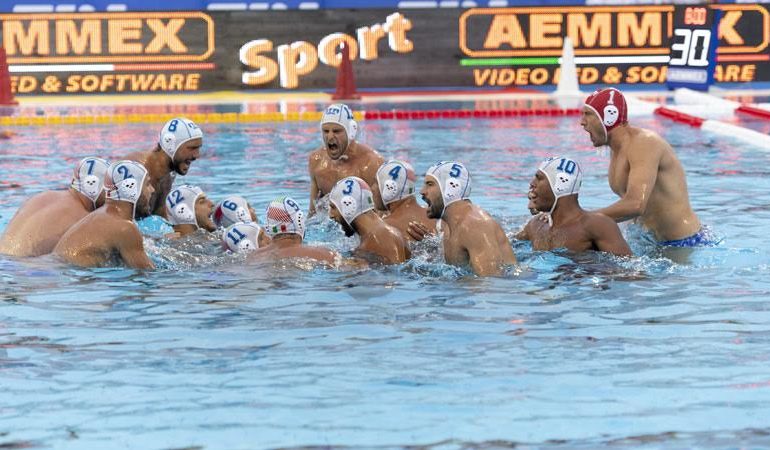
point(51, 6)
point(158, 52)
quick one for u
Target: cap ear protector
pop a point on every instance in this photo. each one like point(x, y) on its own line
point(129, 189)
point(349, 208)
point(452, 189)
point(242, 214)
point(610, 115)
point(90, 186)
point(353, 133)
point(184, 213)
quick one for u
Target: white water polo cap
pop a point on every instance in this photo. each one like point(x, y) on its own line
point(285, 217)
point(242, 237)
point(180, 205)
point(176, 132)
point(352, 197)
point(88, 178)
point(564, 176)
point(124, 182)
point(453, 179)
point(396, 180)
point(231, 210)
point(343, 116)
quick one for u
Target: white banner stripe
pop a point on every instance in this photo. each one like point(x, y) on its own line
point(33, 8)
point(62, 68)
point(663, 59)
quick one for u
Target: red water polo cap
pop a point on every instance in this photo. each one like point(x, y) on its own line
point(610, 105)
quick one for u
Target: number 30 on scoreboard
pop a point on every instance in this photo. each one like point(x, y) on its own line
point(690, 48)
point(693, 50)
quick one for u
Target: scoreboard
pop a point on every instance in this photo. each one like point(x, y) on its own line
point(693, 48)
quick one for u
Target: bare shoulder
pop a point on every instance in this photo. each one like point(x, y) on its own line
point(156, 166)
point(121, 227)
point(139, 156)
point(649, 139)
point(321, 253)
point(316, 156)
point(47, 198)
point(478, 221)
point(598, 225)
point(594, 219)
point(479, 215)
point(317, 253)
point(371, 153)
point(386, 233)
point(54, 202)
point(646, 146)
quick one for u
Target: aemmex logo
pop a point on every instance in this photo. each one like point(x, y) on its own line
point(107, 37)
point(617, 30)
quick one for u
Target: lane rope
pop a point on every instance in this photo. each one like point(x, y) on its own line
point(304, 116)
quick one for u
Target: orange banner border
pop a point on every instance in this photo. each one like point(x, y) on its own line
point(557, 52)
point(122, 58)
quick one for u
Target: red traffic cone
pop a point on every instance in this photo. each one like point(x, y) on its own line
point(346, 82)
point(6, 96)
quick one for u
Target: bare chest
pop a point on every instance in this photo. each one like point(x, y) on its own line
point(618, 174)
point(328, 174)
point(572, 237)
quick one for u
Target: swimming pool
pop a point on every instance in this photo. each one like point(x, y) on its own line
point(669, 349)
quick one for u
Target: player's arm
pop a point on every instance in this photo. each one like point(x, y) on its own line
point(607, 237)
point(354, 263)
point(313, 197)
point(131, 248)
point(484, 261)
point(313, 185)
point(644, 160)
point(524, 234)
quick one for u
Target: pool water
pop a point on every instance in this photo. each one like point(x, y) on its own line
point(666, 349)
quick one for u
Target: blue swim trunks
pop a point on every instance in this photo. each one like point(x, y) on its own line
point(703, 238)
